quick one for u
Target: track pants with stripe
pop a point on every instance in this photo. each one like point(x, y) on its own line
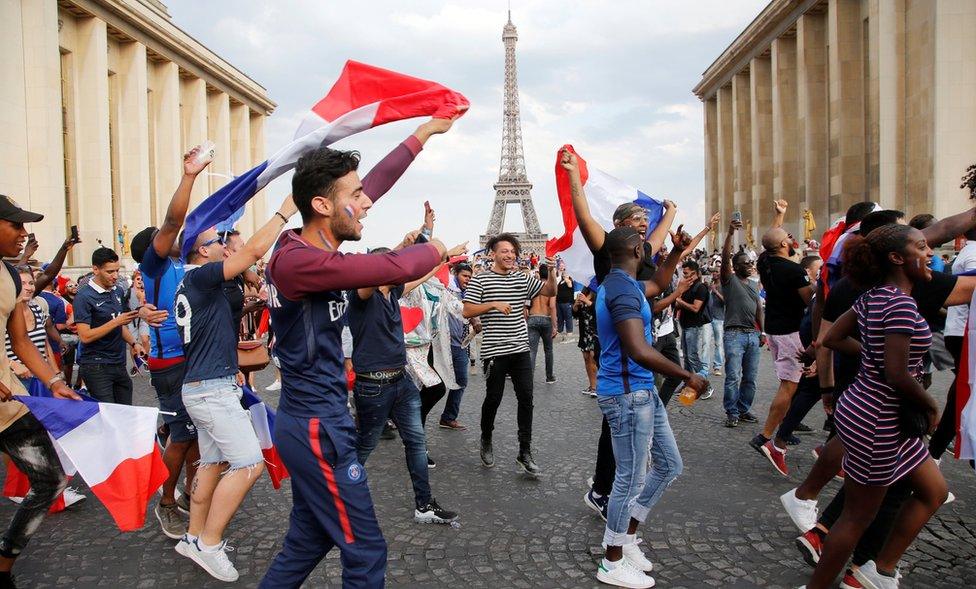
point(331, 504)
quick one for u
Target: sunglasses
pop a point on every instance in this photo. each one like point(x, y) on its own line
point(219, 240)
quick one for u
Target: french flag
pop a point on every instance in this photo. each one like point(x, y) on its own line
point(965, 379)
point(363, 97)
point(262, 418)
point(113, 447)
point(604, 194)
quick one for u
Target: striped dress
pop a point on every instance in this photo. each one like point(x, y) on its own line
point(867, 413)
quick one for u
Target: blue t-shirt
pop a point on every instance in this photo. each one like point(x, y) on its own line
point(97, 306)
point(377, 331)
point(58, 312)
point(206, 323)
point(164, 341)
point(620, 298)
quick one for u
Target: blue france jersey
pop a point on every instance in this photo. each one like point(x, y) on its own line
point(164, 341)
point(206, 323)
point(620, 298)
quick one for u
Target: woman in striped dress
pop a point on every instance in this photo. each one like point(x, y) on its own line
point(894, 338)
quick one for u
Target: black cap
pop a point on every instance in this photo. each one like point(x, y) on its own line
point(10, 211)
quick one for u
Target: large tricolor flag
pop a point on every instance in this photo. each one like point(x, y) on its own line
point(965, 380)
point(604, 194)
point(113, 447)
point(262, 418)
point(363, 97)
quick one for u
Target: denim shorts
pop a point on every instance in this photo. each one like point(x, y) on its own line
point(224, 429)
point(168, 384)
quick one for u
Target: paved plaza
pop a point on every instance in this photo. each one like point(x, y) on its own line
point(720, 524)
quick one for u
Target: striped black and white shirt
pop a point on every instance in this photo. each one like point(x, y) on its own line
point(503, 334)
point(37, 335)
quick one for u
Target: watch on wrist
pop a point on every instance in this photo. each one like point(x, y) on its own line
point(55, 379)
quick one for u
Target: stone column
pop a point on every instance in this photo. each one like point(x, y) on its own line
point(891, 103)
point(240, 153)
point(725, 166)
point(193, 115)
point(846, 87)
point(786, 143)
point(167, 143)
point(812, 115)
point(259, 204)
point(14, 181)
point(218, 131)
point(742, 148)
point(711, 160)
point(133, 137)
point(94, 194)
point(955, 104)
point(762, 144)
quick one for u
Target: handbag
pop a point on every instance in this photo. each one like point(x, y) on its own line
point(252, 356)
point(912, 419)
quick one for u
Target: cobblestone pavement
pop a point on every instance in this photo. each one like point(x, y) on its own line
point(720, 524)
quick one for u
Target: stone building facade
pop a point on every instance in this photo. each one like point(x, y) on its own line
point(99, 99)
point(827, 103)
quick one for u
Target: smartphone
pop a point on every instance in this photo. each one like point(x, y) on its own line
point(30, 237)
point(736, 216)
point(74, 234)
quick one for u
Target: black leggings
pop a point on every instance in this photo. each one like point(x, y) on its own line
point(30, 449)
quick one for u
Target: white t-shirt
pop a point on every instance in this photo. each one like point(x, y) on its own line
point(957, 314)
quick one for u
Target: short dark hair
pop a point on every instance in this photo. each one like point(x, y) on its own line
point(858, 211)
point(462, 267)
point(692, 265)
point(922, 221)
point(808, 261)
point(104, 255)
point(878, 218)
point(141, 242)
point(494, 241)
point(737, 256)
point(316, 173)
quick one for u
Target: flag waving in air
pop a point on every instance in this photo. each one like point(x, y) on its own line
point(363, 97)
point(604, 194)
point(113, 447)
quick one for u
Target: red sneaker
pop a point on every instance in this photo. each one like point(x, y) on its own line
point(810, 545)
point(777, 457)
point(850, 582)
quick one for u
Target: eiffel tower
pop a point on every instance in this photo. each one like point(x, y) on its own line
point(513, 185)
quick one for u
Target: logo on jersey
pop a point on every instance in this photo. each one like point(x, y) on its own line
point(355, 472)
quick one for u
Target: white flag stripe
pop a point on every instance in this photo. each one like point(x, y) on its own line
point(115, 434)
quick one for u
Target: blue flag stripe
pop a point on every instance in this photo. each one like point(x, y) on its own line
point(59, 416)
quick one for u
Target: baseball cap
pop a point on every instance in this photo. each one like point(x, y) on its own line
point(628, 210)
point(11, 211)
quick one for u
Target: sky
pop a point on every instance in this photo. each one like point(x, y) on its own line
point(612, 78)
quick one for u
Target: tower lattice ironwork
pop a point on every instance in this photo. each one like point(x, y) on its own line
point(513, 186)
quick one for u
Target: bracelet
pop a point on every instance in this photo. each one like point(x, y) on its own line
point(283, 218)
point(54, 379)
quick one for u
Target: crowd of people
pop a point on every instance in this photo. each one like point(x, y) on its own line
point(367, 345)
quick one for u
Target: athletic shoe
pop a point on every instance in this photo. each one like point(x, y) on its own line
point(551, 380)
point(430, 462)
point(731, 421)
point(793, 440)
point(803, 429)
point(170, 520)
point(623, 574)
point(589, 391)
point(850, 581)
point(757, 441)
point(487, 455)
point(803, 512)
point(432, 513)
point(810, 545)
point(597, 503)
point(275, 386)
point(636, 556)
point(452, 424)
point(528, 465)
point(748, 417)
point(17, 500)
point(183, 503)
point(717, 372)
point(182, 547)
point(215, 563)
point(870, 578)
point(707, 394)
point(949, 498)
point(776, 457)
point(389, 430)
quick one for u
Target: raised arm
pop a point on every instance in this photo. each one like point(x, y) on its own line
point(726, 272)
point(945, 230)
point(593, 232)
point(660, 233)
point(779, 217)
point(47, 276)
point(169, 231)
point(385, 174)
point(662, 278)
point(260, 242)
point(712, 222)
point(549, 285)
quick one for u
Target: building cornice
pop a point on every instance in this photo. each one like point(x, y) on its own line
point(144, 24)
point(777, 19)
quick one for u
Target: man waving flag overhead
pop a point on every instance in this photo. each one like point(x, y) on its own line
point(363, 97)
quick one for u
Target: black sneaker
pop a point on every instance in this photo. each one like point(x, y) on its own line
point(597, 503)
point(731, 421)
point(487, 455)
point(528, 465)
point(430, 462)
point(758, 442)
point(7, 581)
point(389, 430)
point(432, 513)
point(803, 429)
point(793, 440)
point(748, 417)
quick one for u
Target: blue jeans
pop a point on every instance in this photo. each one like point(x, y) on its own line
point(375, 403)
point(636, 419)
point(718, 329)
point(564, 317)
point(460, 358)
point(741, 366)
point(690, 340)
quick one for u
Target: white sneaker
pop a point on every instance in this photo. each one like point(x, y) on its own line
point(707, 394)
point(949, 498)
point(17, 500)
point(183, 546)
point(71, 496)
point(623, 574)
point(215, 563)
point(803, 512)
point(636, 556)
point(869, 576)
point(275, 386)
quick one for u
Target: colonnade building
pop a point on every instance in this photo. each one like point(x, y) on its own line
point(827, 103)
point(99, 99)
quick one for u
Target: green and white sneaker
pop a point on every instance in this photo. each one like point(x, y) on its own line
point(623, 573)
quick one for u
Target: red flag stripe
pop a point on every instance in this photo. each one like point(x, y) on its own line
point(558, 244)
point(313, 435)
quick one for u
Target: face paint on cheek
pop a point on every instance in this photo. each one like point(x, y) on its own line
point(351, 212)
